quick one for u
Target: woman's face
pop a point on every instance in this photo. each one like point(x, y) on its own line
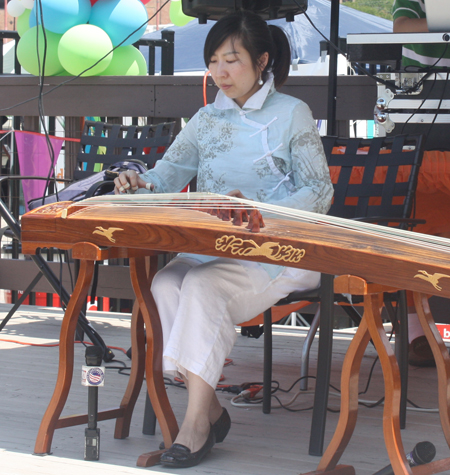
point(232, 70)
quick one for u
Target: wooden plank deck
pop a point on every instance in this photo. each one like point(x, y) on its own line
point(257, 444)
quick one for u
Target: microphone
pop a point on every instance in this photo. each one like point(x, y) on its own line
point(422, 453)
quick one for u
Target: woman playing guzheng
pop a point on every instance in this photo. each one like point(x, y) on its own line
point(252, 142)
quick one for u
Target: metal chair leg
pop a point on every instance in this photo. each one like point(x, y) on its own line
point(319, 415)
point(304, 369)
point(267, 375)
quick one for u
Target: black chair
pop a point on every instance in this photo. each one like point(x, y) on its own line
point(101, 145)
point(374, 181)
point(106, 144)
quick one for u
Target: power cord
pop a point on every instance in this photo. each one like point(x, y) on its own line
point(247, 394)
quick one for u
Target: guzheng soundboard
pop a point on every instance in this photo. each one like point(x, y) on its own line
point(183, 223)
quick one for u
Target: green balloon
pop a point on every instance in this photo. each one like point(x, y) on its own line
point(126, 61)
point(81, 47)
point(23, 22)
point(63, 73)
point(177, 17)
point(27, 52)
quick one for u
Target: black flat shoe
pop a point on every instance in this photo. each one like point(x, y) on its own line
point(220, 428)
point(180, 456)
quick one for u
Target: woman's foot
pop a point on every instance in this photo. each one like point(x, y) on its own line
point(220, 428)
point(181, 456)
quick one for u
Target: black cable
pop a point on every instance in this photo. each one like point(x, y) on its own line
point(421, 104)
point(41, 74)
point(427, 68)
point(292, 410)
point(438, 107)
point(389, 84)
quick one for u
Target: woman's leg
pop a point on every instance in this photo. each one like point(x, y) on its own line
point(166, 290)
point(197, 421)
point(211, 299)
point(215, 297)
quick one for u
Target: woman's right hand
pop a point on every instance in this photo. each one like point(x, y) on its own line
point(130, 181)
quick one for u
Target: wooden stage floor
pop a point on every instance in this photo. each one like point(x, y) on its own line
point(257, 444)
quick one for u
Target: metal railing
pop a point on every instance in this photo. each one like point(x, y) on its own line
point(7, 34)
point(166, 43)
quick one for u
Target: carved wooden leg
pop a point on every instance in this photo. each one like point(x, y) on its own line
point(66, 357)
point(392, 386)
point(153, 370)
point(129, 399)
point(441, 357)
point(349, 403)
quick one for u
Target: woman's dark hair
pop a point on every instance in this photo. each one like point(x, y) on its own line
point(257, 38)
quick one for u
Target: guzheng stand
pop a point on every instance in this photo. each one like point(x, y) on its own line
point(143, 265)
point(371, 328)
point(420, 262)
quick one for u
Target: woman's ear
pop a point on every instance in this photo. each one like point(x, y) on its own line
point(263, 60)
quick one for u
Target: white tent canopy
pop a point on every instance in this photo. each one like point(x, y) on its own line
point(305, 40)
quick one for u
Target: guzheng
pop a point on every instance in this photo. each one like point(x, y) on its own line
point(182, 223)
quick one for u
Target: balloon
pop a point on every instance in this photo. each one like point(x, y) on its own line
point(126, 61)
point(61, 15)
point(23, 22)
point(120, 18)
point(93, 1)
point(145, 1)
point(28, 4)
point(64, 73)
point(81, 47)
point(27, 52)
point(15, 8)
point(177, 17)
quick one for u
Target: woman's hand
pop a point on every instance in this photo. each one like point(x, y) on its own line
point(130, 181)
point(237, 194)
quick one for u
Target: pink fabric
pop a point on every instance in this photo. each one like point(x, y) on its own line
point(34, 160)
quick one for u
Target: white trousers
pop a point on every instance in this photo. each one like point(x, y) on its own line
point(200, 303)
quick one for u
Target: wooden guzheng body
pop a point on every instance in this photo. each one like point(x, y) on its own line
point(369, 259)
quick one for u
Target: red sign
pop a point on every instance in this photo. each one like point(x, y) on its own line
point(444, 330)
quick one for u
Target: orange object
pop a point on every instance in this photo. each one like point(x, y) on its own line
point(432, 193)
point(277, 313)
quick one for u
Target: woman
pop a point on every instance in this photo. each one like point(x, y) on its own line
point(254, 143)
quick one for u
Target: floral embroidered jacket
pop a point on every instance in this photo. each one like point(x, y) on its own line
point(270, 150)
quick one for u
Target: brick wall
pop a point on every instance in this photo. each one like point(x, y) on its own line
point(161, 18)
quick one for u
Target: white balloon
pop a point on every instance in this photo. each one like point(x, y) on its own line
point(15, 8)
point(28, 4)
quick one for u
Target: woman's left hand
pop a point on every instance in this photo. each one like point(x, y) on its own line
point(237, 194)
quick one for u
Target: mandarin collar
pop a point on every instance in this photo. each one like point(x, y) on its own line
point(254, 102)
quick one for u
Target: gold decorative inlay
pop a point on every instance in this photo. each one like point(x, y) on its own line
point(432, 279)
point(108, 233)
point(48, 209)
point(248, 247)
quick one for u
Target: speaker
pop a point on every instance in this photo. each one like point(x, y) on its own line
point(267, 9)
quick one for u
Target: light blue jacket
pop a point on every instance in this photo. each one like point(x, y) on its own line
point(270, 150)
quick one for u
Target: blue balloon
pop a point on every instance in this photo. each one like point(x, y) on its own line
point(59, 16)
point(120, 18)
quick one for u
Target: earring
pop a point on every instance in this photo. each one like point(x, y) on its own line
point(260, 81)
